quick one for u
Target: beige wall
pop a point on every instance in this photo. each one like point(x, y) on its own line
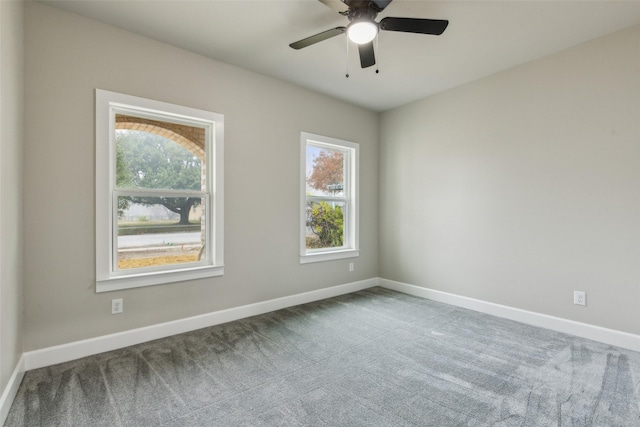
point(515, 189)
point(67, 57)
point(11, 140)
point(523, 186)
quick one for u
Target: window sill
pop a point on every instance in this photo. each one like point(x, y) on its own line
point(157, 278)
point(329, 256)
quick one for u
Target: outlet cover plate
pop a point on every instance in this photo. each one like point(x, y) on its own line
point(579, 298)
point(117, 306)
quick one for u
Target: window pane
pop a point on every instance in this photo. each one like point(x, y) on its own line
point(163, 160)
point(157, 231)
point(325, 171)
point(325, 224)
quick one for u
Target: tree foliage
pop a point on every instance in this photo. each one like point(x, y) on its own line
point(327, 170)
point(326, 220)
point(327, 223)
point(122, 179)
point(151, 161)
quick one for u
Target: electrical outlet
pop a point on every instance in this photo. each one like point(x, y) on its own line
point(117, 306)
point(351, 266)
point(579, 298)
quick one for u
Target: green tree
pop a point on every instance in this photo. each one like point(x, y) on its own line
point(152, 161)
point(122, 179)
point(326, 222)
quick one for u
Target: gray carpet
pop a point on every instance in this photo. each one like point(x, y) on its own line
point(371, 358)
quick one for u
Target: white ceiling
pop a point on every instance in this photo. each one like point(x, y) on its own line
point(483, 38)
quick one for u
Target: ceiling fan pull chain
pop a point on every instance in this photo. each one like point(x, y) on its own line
point(378, 50)
point(347, 74)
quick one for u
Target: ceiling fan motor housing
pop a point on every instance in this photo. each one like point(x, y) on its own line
point(361, 5)
point(362, 15)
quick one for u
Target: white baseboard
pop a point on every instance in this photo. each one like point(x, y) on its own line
point(75, 350)
point(584, 330)
point(11, 390)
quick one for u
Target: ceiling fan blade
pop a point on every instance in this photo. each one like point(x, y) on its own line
point(367, 55)
point(336, 5)
point(414, 25)
point(318, 38)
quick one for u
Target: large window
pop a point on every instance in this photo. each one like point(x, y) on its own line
point(328, 199)
point(158, 192)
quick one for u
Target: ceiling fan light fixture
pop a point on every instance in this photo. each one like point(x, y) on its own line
point(361, 32)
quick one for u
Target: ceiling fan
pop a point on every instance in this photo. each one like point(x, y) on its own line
point(363, 29)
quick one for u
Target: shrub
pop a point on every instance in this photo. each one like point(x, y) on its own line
point(327, 223)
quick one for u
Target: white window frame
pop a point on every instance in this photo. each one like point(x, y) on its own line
point(108, 277)
point(351, 247)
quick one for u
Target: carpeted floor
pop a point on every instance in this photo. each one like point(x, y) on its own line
point(371, 358)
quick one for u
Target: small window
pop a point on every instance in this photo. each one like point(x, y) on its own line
point(329, 198)
point(158, 192)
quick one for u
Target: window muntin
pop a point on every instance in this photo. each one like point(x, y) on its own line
point(158, 192)
point(329, 216)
